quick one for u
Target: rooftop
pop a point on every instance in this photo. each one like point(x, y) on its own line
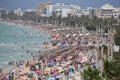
point(107, 6)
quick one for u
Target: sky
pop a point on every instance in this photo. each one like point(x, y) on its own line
point(28, 4)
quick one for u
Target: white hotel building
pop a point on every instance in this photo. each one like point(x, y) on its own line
point(106, 11)
point(62, 9)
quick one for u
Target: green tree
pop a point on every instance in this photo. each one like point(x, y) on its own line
point(91, 74)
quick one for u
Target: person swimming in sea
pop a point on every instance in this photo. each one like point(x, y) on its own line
point(27, 51)
point(39, 51)
point(22, 47)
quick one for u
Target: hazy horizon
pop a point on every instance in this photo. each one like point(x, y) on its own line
point(28, 4)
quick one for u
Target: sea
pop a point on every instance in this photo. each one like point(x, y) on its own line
point(18, 42)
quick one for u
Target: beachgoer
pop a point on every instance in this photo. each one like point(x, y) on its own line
point(66, 73)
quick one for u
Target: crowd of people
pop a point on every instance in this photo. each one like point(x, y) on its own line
point(74, 50)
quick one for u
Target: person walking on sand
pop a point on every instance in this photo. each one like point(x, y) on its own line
point(66, 73)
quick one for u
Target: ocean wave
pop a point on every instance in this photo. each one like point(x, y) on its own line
point(3, 44)
point(8, 45)
point(4, 63)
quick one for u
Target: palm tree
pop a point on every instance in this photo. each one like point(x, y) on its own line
point(95, 21)
point(59, 19)
point(91, 74)
point(109, 69)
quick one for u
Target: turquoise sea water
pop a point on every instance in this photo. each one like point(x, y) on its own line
point(16, 40)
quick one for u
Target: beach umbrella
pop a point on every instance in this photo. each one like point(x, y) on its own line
point(30, 74)
point(2, 78)
point(38, 77)
point(35, 75)
point(70, 69)
point(46, 77)
point(60, 69)
point(74, 34)
point(47, 70)
point(51, 78)
point(20, 78)
point(54, 30)
point(22, 73)
point(69, 62)
point(37, 71)
point(12, 71)
point(67, 28)
point(69, 57)
point(52, 70)
point(80, 34)
point(50, 64)
point(55, 68)
point(87, 34)
point(84, 59)
point(80, 55)
point(6, 79)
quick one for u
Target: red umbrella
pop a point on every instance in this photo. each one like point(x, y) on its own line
point(37, 71)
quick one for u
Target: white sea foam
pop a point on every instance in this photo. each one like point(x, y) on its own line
point(5, 62)
point(3, 44)
point(9, 45)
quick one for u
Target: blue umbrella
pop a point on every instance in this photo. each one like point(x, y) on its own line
point(7, 79)
point(51, 78)
point(12, 71)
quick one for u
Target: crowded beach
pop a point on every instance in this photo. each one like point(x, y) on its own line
point(70, 52)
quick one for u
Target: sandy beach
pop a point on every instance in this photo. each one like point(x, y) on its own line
point(65, 59)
